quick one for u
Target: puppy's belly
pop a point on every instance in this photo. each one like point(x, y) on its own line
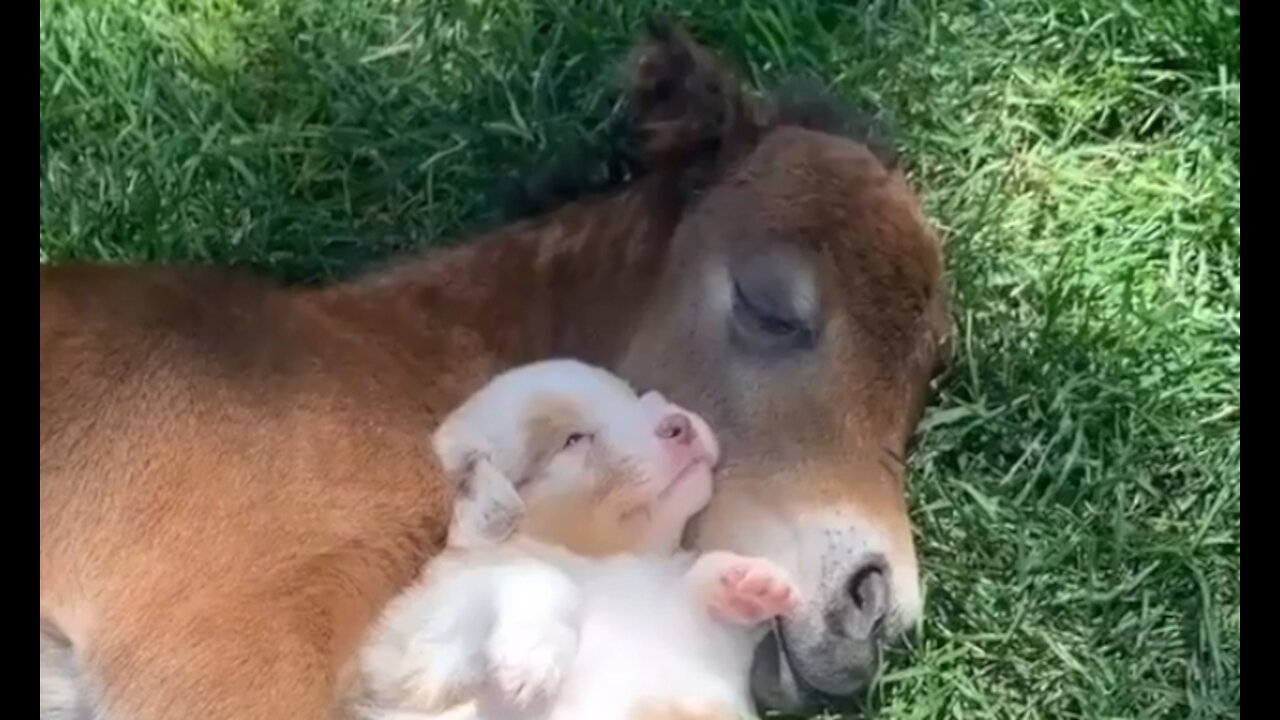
point(646, 642)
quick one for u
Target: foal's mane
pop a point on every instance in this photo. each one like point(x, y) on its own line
point(613, 156)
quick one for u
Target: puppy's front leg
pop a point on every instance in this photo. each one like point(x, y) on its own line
point(535, 632)
point(429, 650)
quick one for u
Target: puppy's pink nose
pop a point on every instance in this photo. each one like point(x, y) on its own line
point(677, 428)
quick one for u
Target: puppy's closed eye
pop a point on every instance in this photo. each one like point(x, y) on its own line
point(577, 438)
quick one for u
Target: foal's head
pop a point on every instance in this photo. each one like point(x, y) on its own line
point(802, 310)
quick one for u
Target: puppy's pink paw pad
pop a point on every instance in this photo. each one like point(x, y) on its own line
point(753, 591)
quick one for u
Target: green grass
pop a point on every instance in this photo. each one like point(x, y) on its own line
point(1077, 487)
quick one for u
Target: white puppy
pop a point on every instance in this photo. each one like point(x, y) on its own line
point(586, 613)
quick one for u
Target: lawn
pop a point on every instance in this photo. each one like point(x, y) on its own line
point(1076, 485)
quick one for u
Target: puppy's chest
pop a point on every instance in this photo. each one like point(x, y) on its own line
point(646, 640)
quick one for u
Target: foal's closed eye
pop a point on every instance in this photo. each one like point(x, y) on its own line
point(766, 320)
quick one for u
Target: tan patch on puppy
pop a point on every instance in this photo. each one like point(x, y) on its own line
point(595, 522)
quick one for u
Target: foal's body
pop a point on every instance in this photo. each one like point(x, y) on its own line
point(234, 478)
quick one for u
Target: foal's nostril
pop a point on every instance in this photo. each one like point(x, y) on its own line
point(676, 427)
point(862, 586)
point(869, 593)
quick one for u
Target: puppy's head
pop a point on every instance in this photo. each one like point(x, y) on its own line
point(568, 453)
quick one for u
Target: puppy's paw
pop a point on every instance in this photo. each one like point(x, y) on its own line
point(425, 677)
point(530, 664)
point(752, 590)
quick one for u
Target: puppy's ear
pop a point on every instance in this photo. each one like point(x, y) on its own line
point(486, 507)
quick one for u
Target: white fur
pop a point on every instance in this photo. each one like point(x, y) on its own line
point(61, 695)
point(632, 629)
point(490, 429)
point(522, 629)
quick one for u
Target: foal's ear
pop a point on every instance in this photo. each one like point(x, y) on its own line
point(690, 109)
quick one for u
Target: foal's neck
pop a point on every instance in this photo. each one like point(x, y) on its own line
point(573, 282)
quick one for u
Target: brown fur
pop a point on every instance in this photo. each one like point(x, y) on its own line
point(235, 478)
